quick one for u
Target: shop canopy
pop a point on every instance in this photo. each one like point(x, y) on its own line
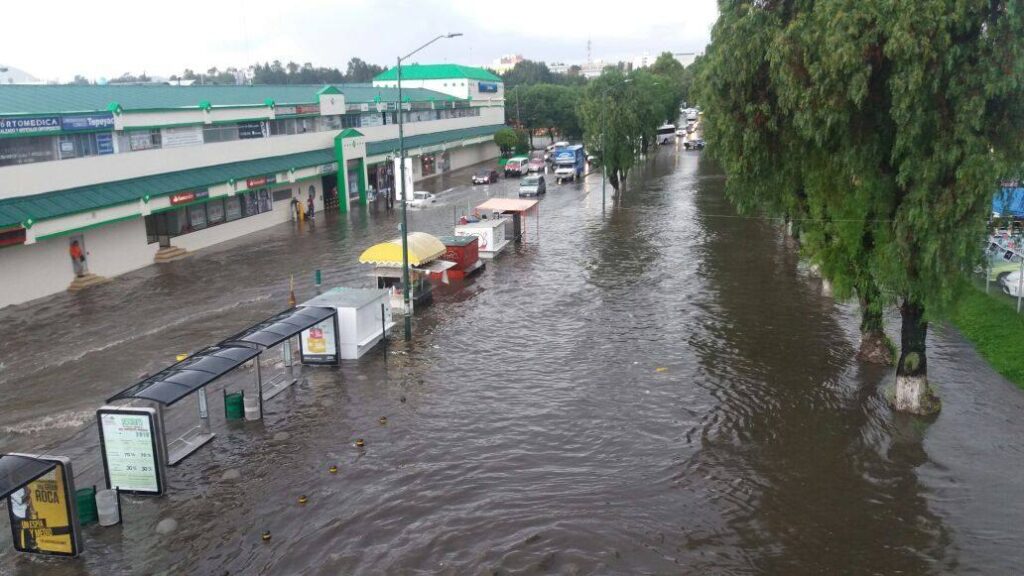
point(17, 470)
point(510, 205)
point(281, 327)
point(423, 248)
point(178, 381)
point(1009, 202)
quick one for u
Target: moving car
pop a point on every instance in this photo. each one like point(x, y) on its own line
point(485, 177)
point(533, 185)
point(694, 144)
point(517, 166)
point(565, 173)
point(420, 199)
point(681, 132)
point(536, 165)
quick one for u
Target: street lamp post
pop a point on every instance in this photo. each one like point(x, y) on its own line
point(401, 163)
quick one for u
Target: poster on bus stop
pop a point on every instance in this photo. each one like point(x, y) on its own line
point(319, 344)
point(42, 513)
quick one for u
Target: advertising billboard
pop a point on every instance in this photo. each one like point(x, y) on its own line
point(319, 343)
point(43, 515)
point(130, 443)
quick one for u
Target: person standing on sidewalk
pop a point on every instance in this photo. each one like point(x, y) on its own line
point(77, 258)
point(311, 211)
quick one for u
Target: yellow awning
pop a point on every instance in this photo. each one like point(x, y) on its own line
point(423, 248)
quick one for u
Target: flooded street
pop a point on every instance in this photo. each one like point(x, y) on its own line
point(658, 389)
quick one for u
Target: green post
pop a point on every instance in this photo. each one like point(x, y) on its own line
point(339, 157)
point(362, 181)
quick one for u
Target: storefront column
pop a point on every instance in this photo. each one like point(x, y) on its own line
point(339, 156)
point(362, 181)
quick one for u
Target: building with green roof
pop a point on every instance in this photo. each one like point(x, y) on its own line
point(453, 79)
point(137, 174)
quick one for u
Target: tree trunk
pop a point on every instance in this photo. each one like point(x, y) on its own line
point(874, 344)
point(913, 394)
point(613, 179)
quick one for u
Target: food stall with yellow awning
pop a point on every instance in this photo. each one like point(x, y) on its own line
point(424, 253)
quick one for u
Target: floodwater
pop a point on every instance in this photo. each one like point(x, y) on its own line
point(656, 389)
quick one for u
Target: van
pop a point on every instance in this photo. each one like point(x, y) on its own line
point(517, 166)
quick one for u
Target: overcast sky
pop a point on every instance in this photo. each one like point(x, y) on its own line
point(58, 39)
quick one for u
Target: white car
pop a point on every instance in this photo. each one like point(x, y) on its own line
point(565, 174)
point(1010, 283)
point(420, 199)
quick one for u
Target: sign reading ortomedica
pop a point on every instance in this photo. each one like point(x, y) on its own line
point(53, 124)
point(129, 440)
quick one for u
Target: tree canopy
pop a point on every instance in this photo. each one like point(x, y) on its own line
point(883, 132)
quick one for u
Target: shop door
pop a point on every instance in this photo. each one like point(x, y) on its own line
point(330, 188)
point(163, 234)
point(78, 240)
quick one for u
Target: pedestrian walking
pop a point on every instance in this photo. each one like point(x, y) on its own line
point(77, 258)
point(311, 210)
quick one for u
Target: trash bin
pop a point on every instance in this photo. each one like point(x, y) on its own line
point(108, 507)
point(234, 408)
point(86, 500)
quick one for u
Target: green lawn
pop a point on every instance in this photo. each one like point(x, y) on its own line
point(995, 329)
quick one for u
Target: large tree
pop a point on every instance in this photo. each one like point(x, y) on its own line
point(612, 125)
point(894, 121)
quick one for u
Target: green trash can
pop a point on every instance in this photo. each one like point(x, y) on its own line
point(234, 405)
point(86, 500)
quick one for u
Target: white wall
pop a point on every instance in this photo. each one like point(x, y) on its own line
point(45, 268)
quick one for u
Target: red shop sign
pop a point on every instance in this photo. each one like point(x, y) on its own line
point(186, 197)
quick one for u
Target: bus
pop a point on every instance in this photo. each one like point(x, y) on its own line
point(666, 133)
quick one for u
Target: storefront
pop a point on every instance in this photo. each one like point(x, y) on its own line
point(195, 211)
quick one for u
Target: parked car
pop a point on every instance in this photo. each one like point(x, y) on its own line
point(536, 165)
point(485, 177)
point(517, 166)
point(420, 199)
point(1010, 283)
point(533, 185)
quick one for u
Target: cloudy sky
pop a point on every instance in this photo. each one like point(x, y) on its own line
point(58, 39)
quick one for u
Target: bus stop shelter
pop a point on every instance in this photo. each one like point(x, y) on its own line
point(180, 380)
point(276, 330)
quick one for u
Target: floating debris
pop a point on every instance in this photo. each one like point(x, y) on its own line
point(230, 475)
point(661, 369)
point(266, 535)
point(383, 420)
point(360, 443)
point(166, 526)
point(333, 469)
point(303, 499)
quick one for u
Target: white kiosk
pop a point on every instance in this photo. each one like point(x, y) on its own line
point(363, 320)
point(490, 232)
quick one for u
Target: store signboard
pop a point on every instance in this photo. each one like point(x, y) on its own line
point(319, 343)
point(249, 130)
point(83, 122)
point(129, 442)
point(30, 125)
point(43, 516)
point(190, 196)
point(181, 136)
point(487, 86)
point(284, 110)
point(327, 168)
point(307, 109)
point(105, 143)
point(259, 181)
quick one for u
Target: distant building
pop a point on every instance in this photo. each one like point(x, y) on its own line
point(559, 67)
point(506, 62)
point(12, 75)
point(686, 58)
point(593, 69)
point(642, 61)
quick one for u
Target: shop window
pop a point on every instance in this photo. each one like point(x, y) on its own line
point(233, 208)
point(215, 211)
point(220, 133)
point(333, 122)
point(283, 194)
point(266, 204)
point(197, 217)
point(140, 140)
point(27, 150)
point(428, 164)
point(351, 121)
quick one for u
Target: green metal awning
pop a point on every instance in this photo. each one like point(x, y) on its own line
point(423, 140)
point(85, 198)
